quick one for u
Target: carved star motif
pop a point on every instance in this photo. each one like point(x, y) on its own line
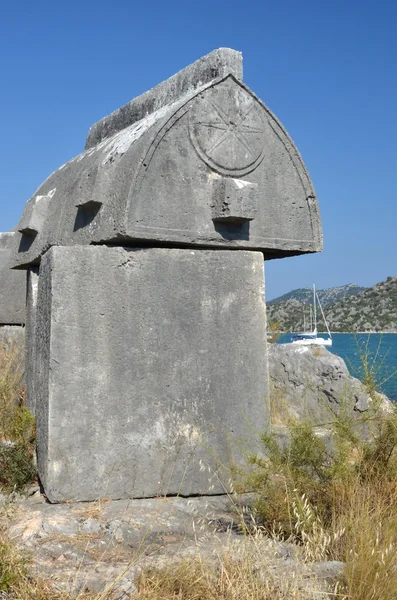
point(231, 128)
point(227, 127)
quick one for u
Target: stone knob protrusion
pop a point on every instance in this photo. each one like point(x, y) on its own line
point(234, 200)
point(34, 221)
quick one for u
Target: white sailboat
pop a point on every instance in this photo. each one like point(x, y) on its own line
point(311, 337)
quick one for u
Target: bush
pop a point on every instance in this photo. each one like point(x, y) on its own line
point(17, 426)
point(338, 500)
point(16, 466)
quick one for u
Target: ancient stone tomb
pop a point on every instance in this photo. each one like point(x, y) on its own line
point(12, 286)
point(146, 328)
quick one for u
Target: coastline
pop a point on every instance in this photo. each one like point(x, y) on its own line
point(362, 332)
point(349, 332)
point(377, 349)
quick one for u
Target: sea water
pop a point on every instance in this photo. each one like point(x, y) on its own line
point(374, 353)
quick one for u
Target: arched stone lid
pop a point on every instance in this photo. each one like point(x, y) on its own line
point(213, 169)
point(217, 63)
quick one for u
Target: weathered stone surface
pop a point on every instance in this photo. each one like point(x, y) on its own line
point(312, 382)
point(12, 333)
point(32, 284)
point(217, 63)
point(147, 362)
point(157, 533)
point(12, 285)
point(147, 366)
point(214, 168)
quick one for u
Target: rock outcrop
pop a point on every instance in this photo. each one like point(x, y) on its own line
point(102, 547)
point(310, 381)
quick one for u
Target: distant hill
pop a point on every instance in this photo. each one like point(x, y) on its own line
point(370, 309)
point(327, 296)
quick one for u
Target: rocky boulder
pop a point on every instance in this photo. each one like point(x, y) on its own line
point(311, 382)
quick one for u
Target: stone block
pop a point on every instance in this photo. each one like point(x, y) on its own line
point(149, 365)
point(199, 163)
point(12, 285)
point(32, 284)
point(235, 200)
point(33, 222)
point(10, 334)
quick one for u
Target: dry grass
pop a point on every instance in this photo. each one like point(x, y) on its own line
point(367, 512)
point(194, 580)
point(15, 582)
point(338, 503)
point(17, 427)
point(280, 412)
point(93, 510)
point(274, 331)
point(244, 575)
point(243, 570)
point(337, 506)
point(11, 387)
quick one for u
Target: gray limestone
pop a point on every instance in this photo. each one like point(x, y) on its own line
point(312, 383)
point(150, 367)
point(32, 284)
point(12, 285)
point(125, 537)
point(213, 168)
point(146, 357)
point(217, 63)
point(12, 333)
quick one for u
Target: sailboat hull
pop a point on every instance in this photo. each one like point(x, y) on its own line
point(310, 338)
point(313, 342)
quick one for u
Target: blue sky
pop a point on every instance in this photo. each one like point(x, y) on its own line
point(327, 70)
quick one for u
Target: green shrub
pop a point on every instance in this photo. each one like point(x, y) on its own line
point(17, 426)
point(310, 467)
point(303, 468)
point(338, 500)
point(16, 466)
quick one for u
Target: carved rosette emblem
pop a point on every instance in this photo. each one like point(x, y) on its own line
point(227, 129)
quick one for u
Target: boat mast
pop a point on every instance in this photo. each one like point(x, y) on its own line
point(325, 320)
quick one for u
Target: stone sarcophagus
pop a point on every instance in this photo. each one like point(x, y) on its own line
point(12, 285)
point(147, 334)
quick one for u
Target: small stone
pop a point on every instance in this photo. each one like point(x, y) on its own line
point(95, 585)
point(61, 551)
point(115, 529)
point(330, 571)
point(90, 526)
point(15, 498)
point(29, 528)
point(61, 524)
point(126, 587)
point(37, 498)
point(362, 403)
point(33, 490)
